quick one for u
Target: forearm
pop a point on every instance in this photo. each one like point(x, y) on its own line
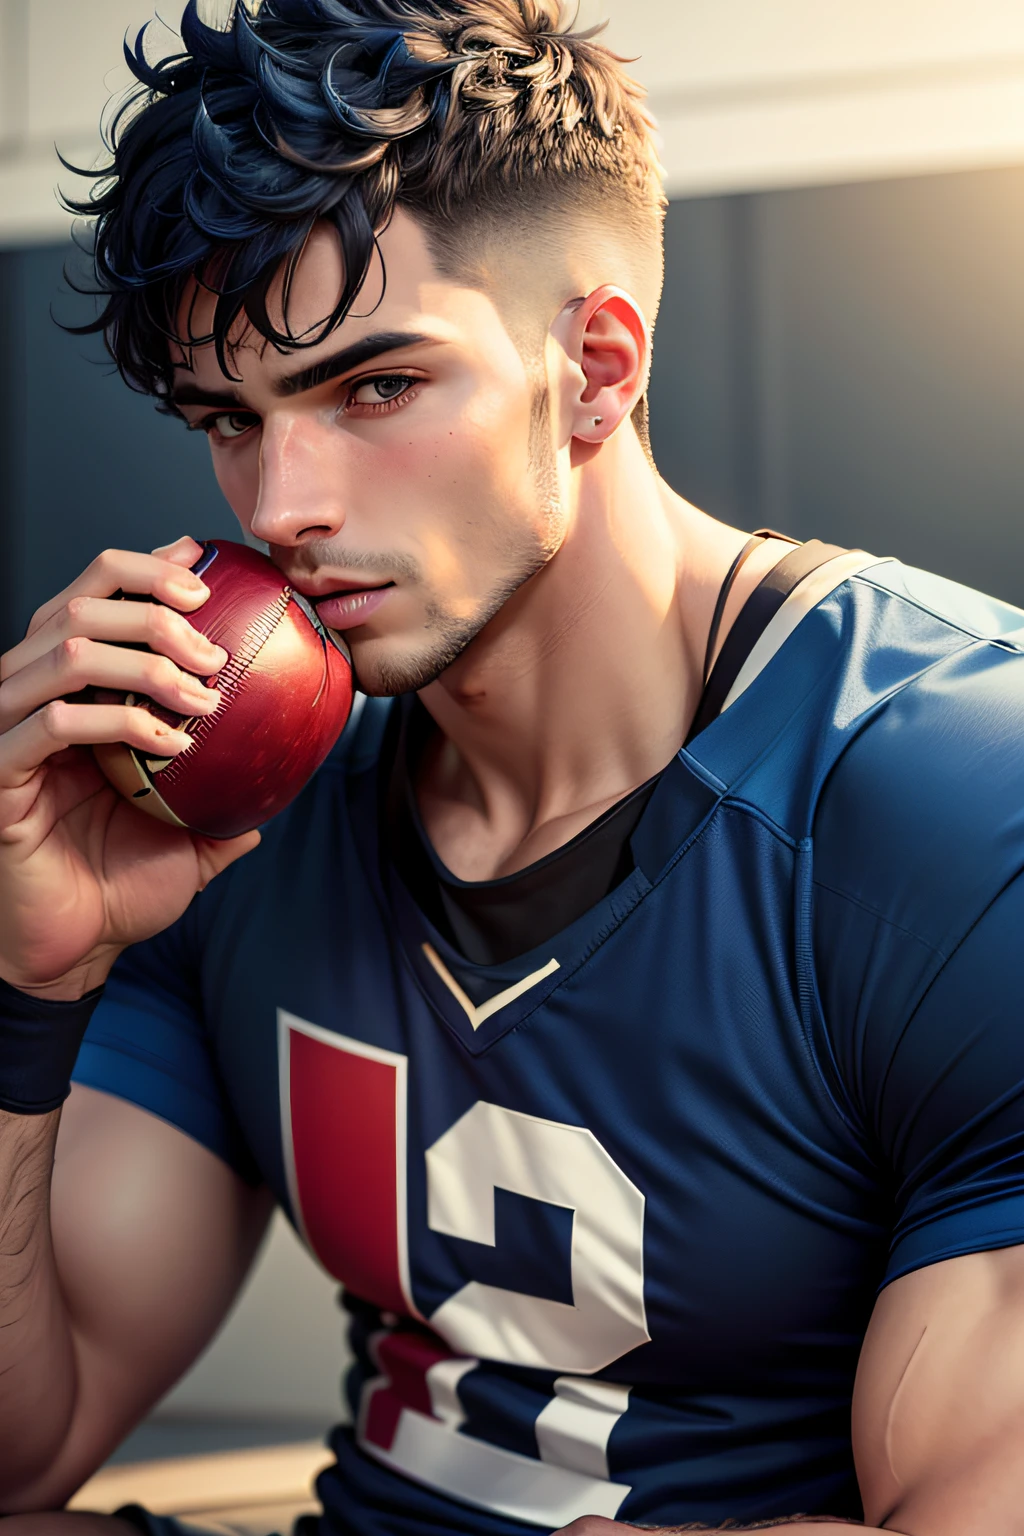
point(37, 1362)
point(800, 1525)
point(818, 1526)
point(794, 1525)
point(797, 1525)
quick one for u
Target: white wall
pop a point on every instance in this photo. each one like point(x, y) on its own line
point(749, 93)
point(767, 93)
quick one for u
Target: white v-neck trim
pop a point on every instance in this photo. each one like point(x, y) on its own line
point(480, 1015)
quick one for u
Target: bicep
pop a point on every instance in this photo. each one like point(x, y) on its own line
point(938, 1412)
point(153, 1235)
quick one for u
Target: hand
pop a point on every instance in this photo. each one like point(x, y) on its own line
point(82, 873)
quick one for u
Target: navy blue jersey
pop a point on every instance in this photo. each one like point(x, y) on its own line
point(612, 1217)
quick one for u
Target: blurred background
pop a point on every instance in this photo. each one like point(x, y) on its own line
point(840, 354)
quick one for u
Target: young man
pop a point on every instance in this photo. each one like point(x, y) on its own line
point(644, 1056)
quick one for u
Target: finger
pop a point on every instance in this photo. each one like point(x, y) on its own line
point(76, 664)
point(125, 570)
point(59, 725)
point(215, 854)
point(96, 618)
point(184, 551)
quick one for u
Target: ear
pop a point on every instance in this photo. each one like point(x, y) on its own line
point(607, 337)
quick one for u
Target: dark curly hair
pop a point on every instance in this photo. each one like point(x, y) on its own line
point(228, 153)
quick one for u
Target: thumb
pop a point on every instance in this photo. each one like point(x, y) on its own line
point(184, 551)
point(214, 854)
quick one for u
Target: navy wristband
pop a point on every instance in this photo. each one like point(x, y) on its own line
point(39, 1044)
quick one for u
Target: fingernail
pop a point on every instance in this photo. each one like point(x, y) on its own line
point(216, 655)
point(178, 740)
point(187, 585)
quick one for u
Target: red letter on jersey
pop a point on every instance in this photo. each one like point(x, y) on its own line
point(343, 1116)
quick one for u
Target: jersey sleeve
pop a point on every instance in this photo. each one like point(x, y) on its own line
point(918, 914)
point(951, 1112)
point(148, 1043)
point(940, 1093)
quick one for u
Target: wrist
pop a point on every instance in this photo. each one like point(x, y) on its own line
point(40, 1037)
point(89, 975)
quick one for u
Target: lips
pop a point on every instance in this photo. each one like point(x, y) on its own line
point(346, 607)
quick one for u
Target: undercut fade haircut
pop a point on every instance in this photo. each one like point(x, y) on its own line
point(227, 154)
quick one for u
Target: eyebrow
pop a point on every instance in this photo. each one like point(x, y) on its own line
point(377, 345)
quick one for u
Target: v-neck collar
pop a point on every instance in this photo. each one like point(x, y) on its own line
point(480, 1004)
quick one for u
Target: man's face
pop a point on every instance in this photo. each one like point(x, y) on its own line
point(401, 471)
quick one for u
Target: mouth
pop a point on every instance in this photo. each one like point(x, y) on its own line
point(346, 606)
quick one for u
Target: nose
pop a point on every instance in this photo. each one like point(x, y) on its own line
point(299, 498)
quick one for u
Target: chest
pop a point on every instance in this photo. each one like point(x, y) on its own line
point(620, 1157)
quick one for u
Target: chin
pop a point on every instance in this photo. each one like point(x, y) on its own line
point(385, 670)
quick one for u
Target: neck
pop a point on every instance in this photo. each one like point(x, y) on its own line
point(584, 685)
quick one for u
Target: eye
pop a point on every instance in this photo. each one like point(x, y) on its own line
point(231, 424)
point(378, 391)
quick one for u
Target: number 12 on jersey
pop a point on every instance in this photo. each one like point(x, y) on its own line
point(343, 1110)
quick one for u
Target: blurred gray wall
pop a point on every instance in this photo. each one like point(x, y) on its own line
point(84, 462)
point(841, 361)
point(848, 362)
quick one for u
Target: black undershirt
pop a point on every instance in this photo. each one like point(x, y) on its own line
point(493, 921)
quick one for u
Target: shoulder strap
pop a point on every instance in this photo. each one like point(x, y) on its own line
point(753, 618)
point(754, 542)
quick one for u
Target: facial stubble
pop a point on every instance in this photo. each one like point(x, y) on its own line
point(529, 550)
